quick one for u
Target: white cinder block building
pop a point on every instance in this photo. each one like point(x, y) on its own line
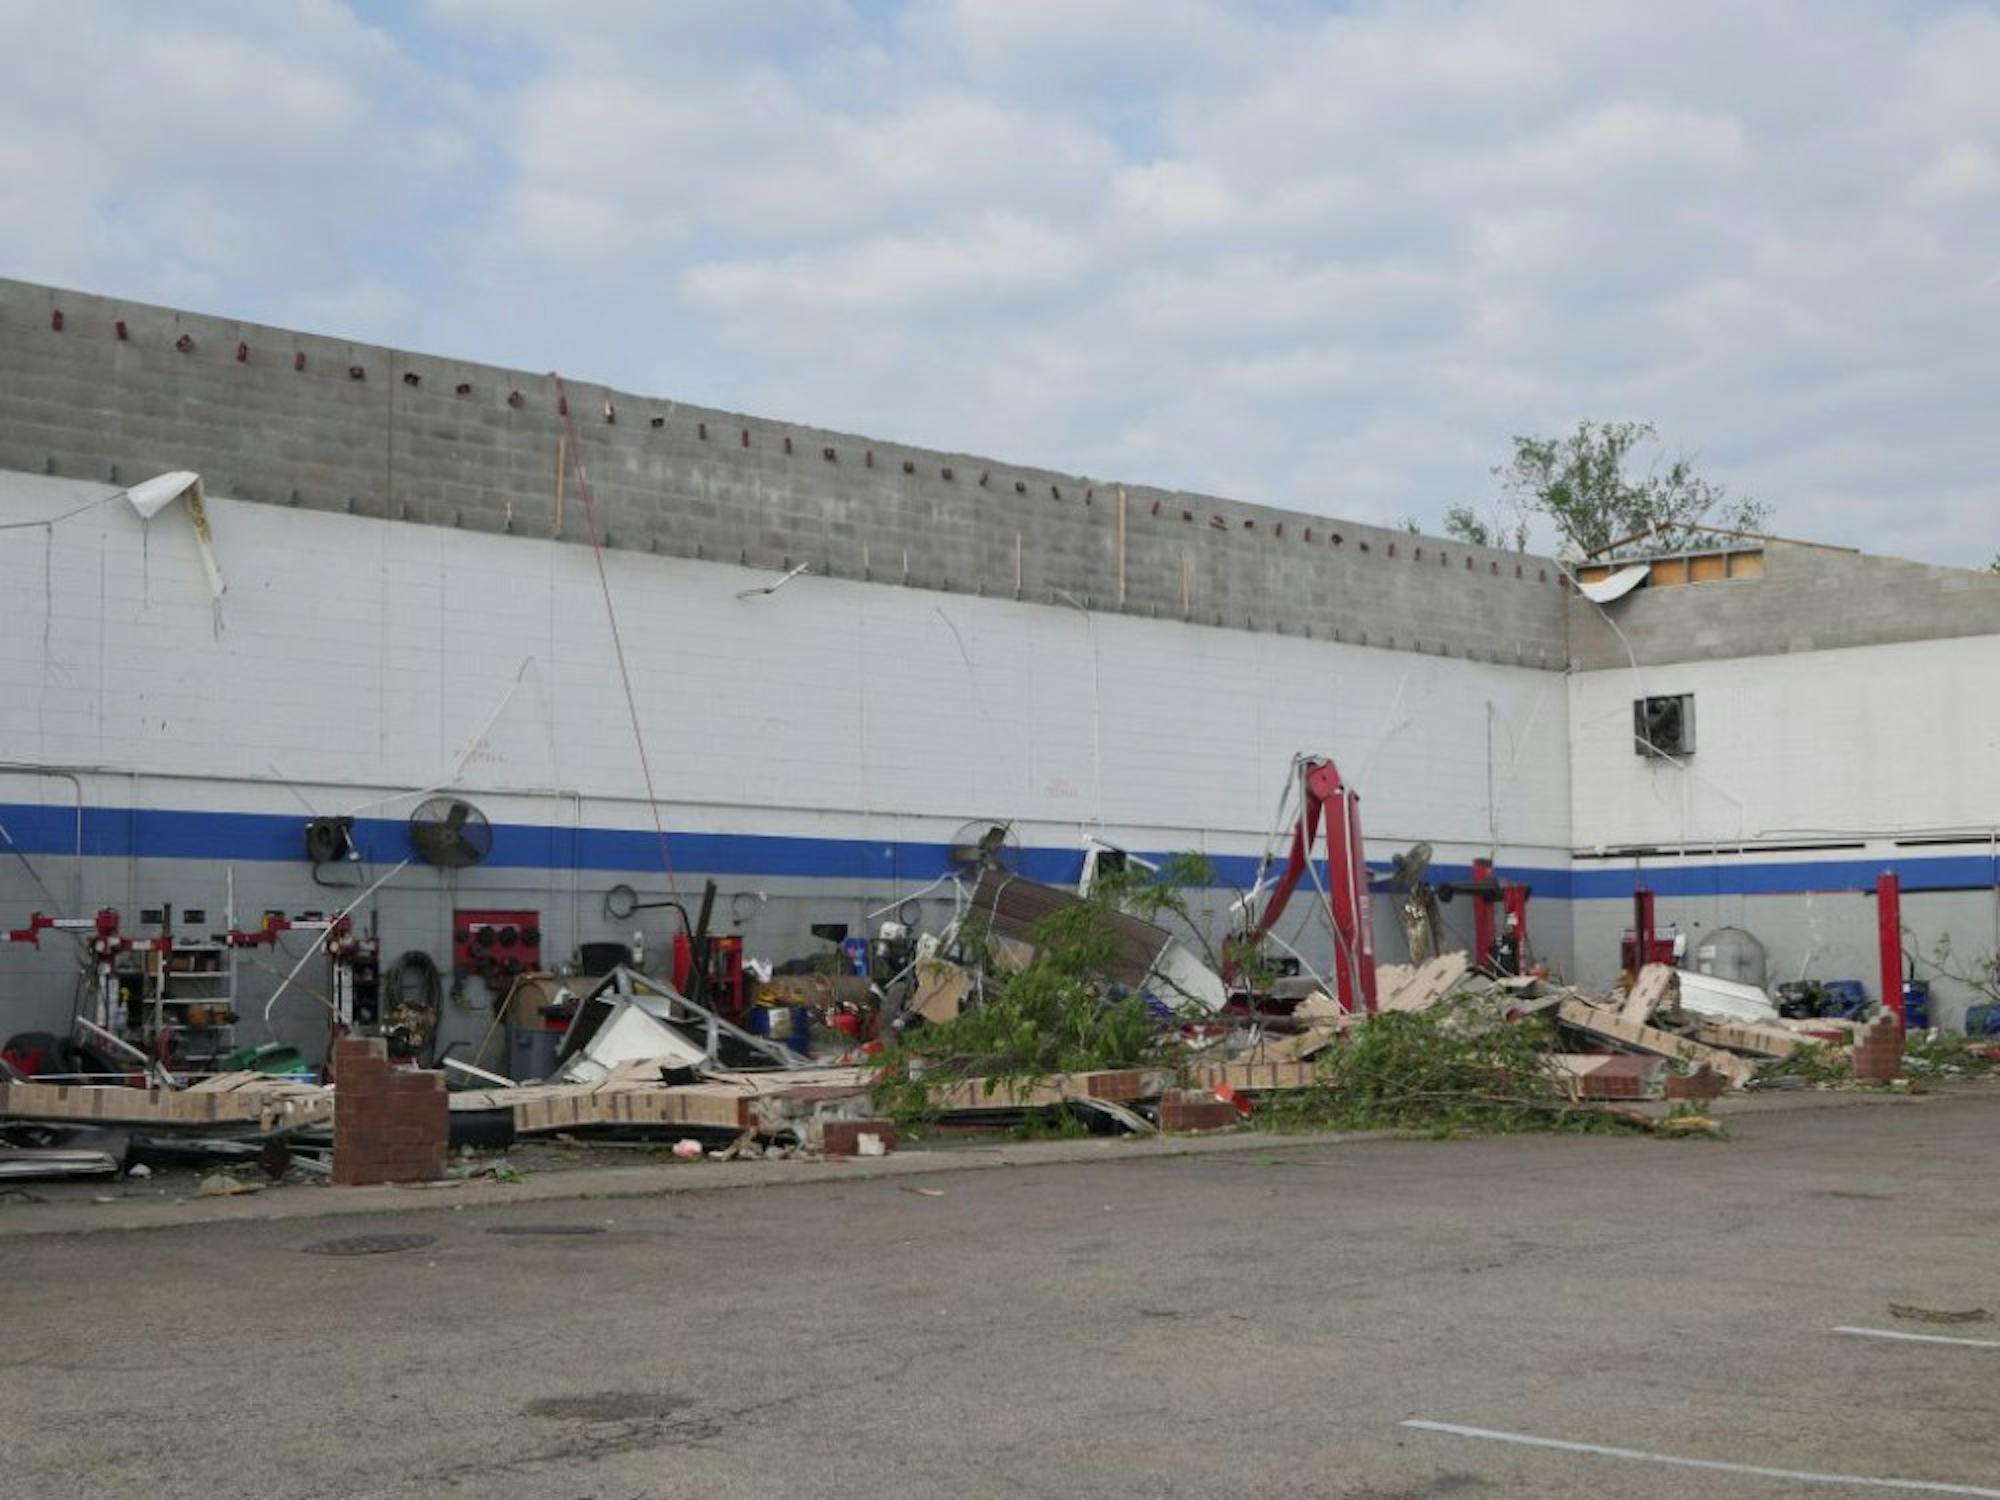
point(414, 602)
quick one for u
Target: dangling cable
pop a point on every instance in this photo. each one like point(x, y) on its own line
point(611, 614)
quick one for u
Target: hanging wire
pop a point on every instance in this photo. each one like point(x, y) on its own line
point(617, 637)
point(318, 949)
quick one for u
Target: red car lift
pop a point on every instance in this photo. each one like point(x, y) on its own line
point(1495, 896)
point(103, 941)
point(1889, 936)
point(1323, 795)
point(1642, 944)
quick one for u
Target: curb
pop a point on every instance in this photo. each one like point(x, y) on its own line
point(660, 1180)
point(669, 1179)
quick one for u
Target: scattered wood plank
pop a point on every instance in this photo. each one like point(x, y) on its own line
point(1822, 1028)
point(1322, 1008)
point(1649, 991)
point(275, 1104)
point(972, 1096)
point(1299, 1047)
point(1129, 1118)
point(1608, 1025)
point(1750, 1036)
point(635, 1096)
point(1255, 1077)
point(226, 1083)
point(1401, 988)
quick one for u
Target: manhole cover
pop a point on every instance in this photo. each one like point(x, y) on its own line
point(372, 1244)
point(553, 1229)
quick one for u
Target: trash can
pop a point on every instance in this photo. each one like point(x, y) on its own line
point(1916, 1005)
point(531, 1051)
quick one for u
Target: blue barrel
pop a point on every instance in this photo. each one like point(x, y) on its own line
point(790, 1025)
point(1982, 1020)
point(1916, 1005)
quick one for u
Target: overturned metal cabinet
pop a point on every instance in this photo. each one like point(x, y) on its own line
point(630, 1018)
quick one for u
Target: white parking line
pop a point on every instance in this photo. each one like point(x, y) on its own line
point(1919, 1338)
point(1759, 1471)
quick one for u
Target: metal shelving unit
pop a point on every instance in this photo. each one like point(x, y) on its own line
point(191, 988)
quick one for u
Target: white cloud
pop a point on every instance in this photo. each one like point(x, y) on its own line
point(186, 152)
point(1313, 255)
point(996, 258)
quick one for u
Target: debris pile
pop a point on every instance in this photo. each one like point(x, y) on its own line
point(1036, 1006)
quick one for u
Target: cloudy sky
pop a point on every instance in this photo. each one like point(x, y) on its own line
point(1329, 256)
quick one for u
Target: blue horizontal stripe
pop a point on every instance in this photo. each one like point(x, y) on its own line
point(1784, 877)
point(174, 833)
point(178, 833)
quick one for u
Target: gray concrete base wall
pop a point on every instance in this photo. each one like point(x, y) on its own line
point(1810, 598)
point(285, 418)
point(38, 987)
point(1819, 935)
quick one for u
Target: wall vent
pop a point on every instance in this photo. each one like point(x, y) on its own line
point(1663, 726)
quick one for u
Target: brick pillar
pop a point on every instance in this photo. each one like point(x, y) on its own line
point(389, 1124)
point(1878, 1052)
point(1196, 1109)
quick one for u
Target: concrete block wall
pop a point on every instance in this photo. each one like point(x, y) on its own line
point(1823, 933)
point(296, 419)
point(1810, 598)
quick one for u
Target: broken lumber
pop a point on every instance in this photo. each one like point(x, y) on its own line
point(1750, 1036)
point(1649, 992)
point(1401, 988)
point(725, 1101)
point(1255, 1077)
point(1824, 1029)
point(1297, 1048)
point(1609, 1026)
point(984, 1095)
point(274, 1104)
point(1321, 1007)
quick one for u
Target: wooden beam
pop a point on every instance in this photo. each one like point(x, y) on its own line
point(1748, 1036)
point(1649, 991)
point(1609, 1026)
point(1401, 988)
point(278, 1103)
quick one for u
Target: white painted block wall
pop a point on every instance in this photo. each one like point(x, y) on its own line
point(1812, 772)
point(362, 655)
point(1874, 741)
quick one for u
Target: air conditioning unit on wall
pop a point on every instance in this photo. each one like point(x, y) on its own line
point(1663, 726)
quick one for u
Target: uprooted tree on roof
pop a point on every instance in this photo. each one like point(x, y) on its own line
point(1592, 488)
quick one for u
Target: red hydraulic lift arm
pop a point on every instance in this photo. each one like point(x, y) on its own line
point(1889, 938)
point(1324, 797)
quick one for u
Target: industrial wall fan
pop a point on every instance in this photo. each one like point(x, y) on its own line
point(445, 831)
point(981, 846)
